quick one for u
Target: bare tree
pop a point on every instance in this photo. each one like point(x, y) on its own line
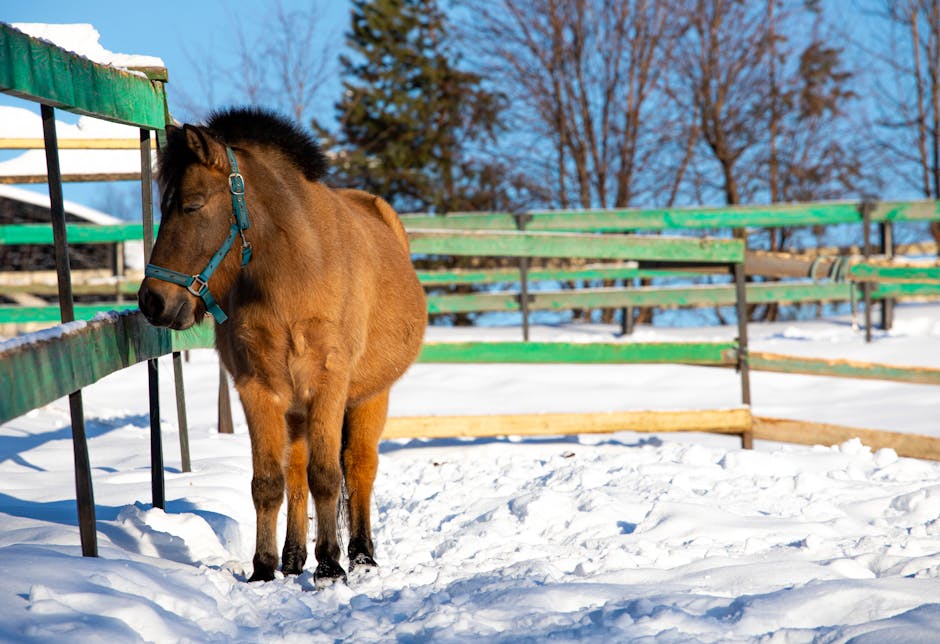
point(914, 99)
point(582, 75)
point(285, 67)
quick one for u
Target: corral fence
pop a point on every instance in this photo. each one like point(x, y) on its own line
point(39, 368)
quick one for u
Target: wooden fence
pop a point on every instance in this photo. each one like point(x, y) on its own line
point(36, 370)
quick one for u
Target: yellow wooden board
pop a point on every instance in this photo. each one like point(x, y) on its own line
point(722, 421)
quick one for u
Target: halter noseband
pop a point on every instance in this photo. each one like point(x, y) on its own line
point(198, 285)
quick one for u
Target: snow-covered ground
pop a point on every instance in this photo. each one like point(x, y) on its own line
point(623, 537)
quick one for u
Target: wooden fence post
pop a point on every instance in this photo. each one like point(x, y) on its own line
point(185, 464)
point(226, 426)
point(84, 493)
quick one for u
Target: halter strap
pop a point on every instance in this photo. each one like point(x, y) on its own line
point(201, 281)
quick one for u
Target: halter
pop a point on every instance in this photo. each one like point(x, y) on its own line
point(198, 285)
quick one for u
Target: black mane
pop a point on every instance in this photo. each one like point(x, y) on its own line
point(241, 125)
point(238, 126)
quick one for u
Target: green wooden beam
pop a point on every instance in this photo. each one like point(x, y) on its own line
point(37, 369)
point(45, 369)
point(880, 272)
point(587, 273)
point(10, 314)
point(516, 244)
point(704, 353)
point(624, 219)
point(904, 289)
point(76, 233)
point(668, 296)
point(42, 72)
point(843, 368)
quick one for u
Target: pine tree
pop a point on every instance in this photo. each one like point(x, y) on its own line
point(412, 126)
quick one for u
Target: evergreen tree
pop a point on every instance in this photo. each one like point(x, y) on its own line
point(412, 126)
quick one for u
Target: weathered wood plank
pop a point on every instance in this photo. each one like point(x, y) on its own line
point(857, 268)
point(809, 433)
point(39, 368)
point(721, 421)
point(763, 361)
point(704, 353)
point(71, 144)
point(74, 177)
point(39, 71)
point(47, 368)
point(517, 244)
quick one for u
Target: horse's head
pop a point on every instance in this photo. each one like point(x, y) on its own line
point(191, 267)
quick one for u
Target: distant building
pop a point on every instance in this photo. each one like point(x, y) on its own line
point(19, 206)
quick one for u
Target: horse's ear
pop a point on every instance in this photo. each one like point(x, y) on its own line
point(207, 149)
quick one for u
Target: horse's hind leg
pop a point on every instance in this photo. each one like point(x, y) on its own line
point(363, 428)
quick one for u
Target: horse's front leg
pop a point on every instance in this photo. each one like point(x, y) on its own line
point(265, 413)
point(294, 555)
point(325, 476)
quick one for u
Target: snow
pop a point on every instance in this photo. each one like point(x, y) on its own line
point(622, 537)
point(82, 39)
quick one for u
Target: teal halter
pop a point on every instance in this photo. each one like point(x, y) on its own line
point(198, 285)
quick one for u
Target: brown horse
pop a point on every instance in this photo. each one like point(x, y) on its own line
point(324, 313)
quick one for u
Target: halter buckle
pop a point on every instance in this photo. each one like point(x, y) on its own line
point(236, 184)
point(203, 285)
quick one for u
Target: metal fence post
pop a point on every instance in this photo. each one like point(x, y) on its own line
point(866, 207)
point(887, 249)
point(521, 221)
point(740, 289)
point(84, 492)
point(157, 486)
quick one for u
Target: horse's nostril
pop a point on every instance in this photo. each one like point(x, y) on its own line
point(150, 302)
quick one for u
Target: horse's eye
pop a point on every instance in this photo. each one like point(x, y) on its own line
point(192, 208)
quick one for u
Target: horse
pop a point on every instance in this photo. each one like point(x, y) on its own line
point(316, 317)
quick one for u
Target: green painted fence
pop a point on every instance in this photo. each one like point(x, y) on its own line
point(725, 217)
point(590, 246)
point(36, 370)
point(36, 70)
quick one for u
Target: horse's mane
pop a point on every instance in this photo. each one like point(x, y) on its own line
point(240, 126)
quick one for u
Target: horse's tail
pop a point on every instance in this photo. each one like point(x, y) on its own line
point(342, 508)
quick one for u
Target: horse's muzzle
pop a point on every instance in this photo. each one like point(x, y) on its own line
point(176, 311)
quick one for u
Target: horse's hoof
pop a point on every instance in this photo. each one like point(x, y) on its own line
point(293, 560)
point(362, 561)
point(327, 574)
point(262, 574)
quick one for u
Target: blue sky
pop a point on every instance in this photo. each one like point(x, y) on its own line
point(173, 30)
